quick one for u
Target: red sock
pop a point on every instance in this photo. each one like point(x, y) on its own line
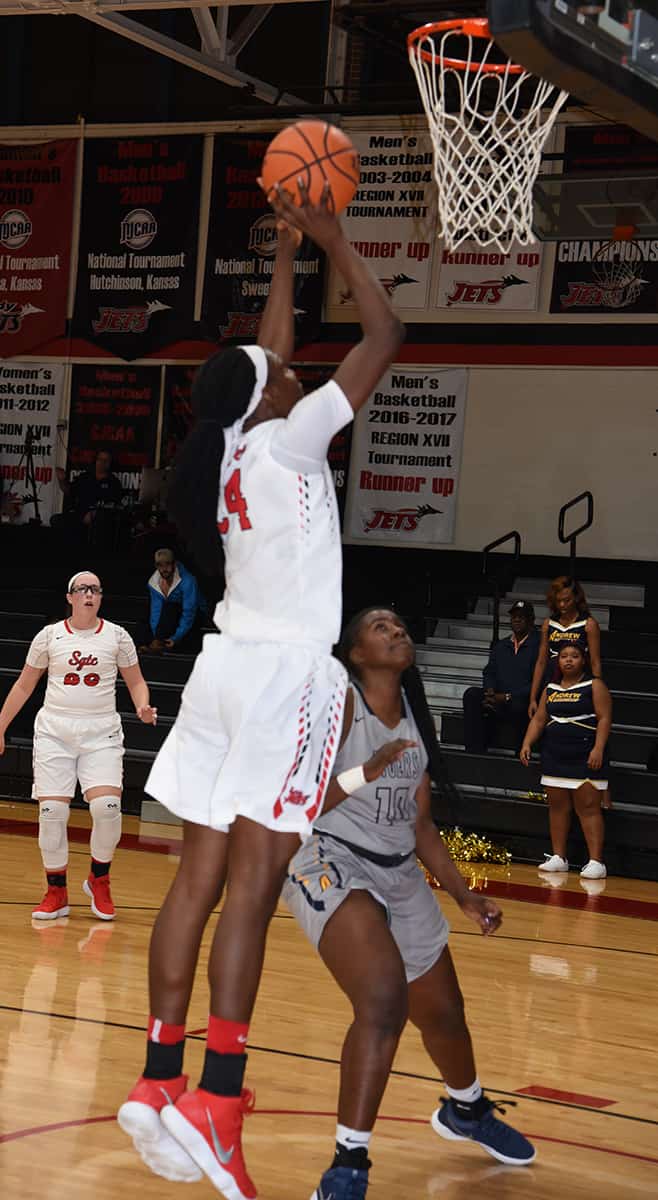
point(227, 1037)
point(164, 1034)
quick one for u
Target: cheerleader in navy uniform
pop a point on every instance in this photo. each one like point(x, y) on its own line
point(570, 621)
point(575, 716)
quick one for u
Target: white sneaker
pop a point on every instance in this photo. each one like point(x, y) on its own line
point(554, 863)
point(594, 870)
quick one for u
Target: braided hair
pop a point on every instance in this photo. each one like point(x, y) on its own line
point(220, 396)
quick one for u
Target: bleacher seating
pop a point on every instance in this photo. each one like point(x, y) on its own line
point(498, 795)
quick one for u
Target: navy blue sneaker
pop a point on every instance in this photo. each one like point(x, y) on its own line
point(497, 1138)
point(342, 1183)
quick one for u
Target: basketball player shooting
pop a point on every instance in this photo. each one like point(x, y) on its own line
point(248, 761)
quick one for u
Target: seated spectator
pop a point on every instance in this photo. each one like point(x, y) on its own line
point(175, 608)
point(502, 704)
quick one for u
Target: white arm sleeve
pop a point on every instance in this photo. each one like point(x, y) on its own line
point(37, 655)
point(302, 442)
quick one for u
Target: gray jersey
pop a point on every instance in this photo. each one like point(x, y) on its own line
point(381, 816)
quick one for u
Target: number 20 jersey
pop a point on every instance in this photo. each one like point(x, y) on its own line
point(280, 528)
point(380, 816)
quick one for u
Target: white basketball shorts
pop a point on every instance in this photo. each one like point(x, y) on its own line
point(256, 736)
point(66, 749)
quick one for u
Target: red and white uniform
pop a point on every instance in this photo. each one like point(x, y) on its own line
point(78, 733)
point(260, 717)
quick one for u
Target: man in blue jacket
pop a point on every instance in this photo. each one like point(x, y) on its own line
point(501, 706)
point(175, 603)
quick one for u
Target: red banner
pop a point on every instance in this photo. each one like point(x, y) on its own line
point(36, 218)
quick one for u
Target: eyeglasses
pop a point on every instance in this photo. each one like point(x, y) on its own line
point(87, 587)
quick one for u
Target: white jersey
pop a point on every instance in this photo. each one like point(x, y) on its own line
point(279, 523)
point(82, 666)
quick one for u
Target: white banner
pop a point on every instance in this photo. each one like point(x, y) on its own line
point(471, 277)
point(30, 397)
point(392, 218)
point(406, 455)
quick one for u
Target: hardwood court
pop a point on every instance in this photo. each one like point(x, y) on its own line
point(563, 1006)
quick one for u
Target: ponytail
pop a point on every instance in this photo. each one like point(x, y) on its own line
point(221, 394)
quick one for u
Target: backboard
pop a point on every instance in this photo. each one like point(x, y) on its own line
point(604, 52)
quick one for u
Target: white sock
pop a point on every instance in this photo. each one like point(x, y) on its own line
point(352, 1139)
point(466, 1095)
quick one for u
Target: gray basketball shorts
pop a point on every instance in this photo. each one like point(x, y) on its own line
point(323, 873)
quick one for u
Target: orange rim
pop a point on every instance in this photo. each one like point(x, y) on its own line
point(477, 27)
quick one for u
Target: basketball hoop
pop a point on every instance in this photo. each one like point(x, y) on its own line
point(488, 132)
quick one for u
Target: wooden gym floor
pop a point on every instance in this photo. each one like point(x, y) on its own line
point(563, 1006)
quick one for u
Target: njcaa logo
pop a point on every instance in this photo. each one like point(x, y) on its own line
point(402, 520)
point(263, 236)
point(486, 291)
point(138, 229)
point(13, 315)
point(126, 320)
point(15, 229)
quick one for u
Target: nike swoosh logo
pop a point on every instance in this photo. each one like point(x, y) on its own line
point(242, 1037)
point(223, 1155)
point(356, 722)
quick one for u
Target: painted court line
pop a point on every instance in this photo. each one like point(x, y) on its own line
point(32, 1131)
point(547, 1093)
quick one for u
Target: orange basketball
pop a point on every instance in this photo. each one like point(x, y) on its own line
point(315, 152)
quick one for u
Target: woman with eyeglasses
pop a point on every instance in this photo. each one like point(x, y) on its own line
point(78, 736)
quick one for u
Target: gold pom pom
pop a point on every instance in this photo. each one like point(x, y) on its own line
point(470, 848)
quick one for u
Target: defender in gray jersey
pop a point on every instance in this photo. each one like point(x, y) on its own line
point(358, 892)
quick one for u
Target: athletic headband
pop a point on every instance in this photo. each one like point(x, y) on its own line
point(77, 576)
point(261, 366)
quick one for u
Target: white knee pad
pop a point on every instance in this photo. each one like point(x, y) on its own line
point(53, 841)
point(106, 826)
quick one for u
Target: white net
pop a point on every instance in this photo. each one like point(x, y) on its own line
point(488, 130)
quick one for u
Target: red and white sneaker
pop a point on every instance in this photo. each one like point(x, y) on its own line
point(54, 904)
point(209, 1128)
point(101, 897)
point(139, 1117)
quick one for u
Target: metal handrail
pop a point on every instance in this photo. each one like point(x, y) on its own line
point(506, 537)
point(575, 533)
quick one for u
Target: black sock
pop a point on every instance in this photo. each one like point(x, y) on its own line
point(473, 1111)
point(56, 878)
point(98, 868)
point(164, 1062)
point(223, 1073)
point(357, 1159)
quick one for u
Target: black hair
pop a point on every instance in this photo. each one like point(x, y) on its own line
point(412, 683)
point(567, 645)
point(220, 396)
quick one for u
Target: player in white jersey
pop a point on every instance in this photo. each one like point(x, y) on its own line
point(78, 737)
point(254, 743)
point(358, 893)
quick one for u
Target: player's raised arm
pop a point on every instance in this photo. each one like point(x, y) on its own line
point(383, 332)
point(277, 326)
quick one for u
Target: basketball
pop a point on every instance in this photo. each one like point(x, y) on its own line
point(316, 152)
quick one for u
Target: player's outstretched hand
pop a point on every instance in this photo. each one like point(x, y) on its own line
point(148, 714)
point(388, 753)
point(483, 911)
point(317, 221)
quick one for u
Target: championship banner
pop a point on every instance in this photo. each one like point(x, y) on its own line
point(115, 409)
point(392, 219)
point(138, 243)
point(30, 397)
point(404, 473)
point(599, 275)
point(471, 277)
point(36, 219)
point(242, 241)
point(177, 415)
